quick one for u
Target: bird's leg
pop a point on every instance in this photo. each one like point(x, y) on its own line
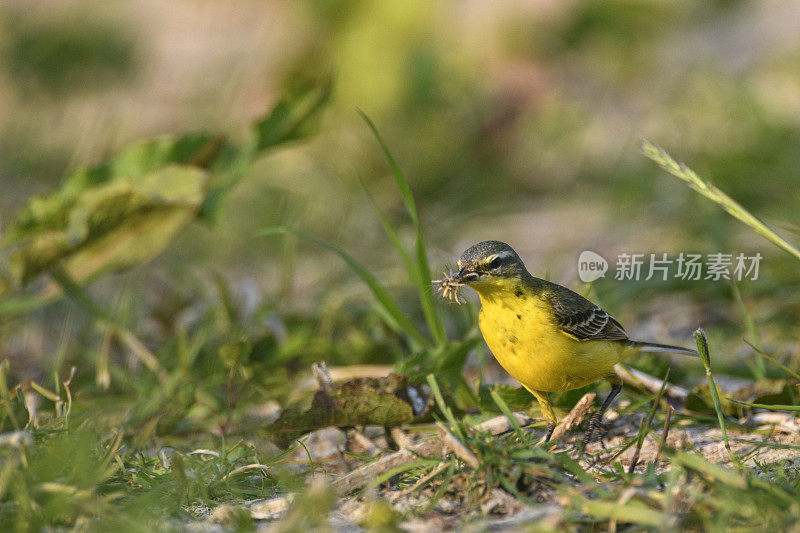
point(547, 411)
point(594, 422)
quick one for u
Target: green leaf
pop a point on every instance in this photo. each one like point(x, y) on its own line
point(634, 512)
point(422, 273)
point(713, 472)
point(292, 118)
point(503, 406)
point(231, 165)
point(127, 210)
point(710, 191)
point(446, 362)
point(516, 398)
point(113, 225)
point(357, 402)
point(397, 319)
point(140, 159)
point(289, 119)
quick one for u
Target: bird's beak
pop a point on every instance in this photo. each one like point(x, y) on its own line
point(466, 275)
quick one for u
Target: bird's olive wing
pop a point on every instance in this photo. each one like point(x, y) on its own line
point(582, 319)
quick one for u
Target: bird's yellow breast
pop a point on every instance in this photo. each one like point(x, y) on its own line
point(521, 331)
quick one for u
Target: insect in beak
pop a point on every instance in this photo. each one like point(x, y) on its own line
point(450, 283)
point(449, 286)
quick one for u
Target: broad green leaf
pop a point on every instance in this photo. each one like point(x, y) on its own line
point(290, 117)
point(358, 402)
point(138, 160)
point(136, 241)
point(231, 165)
point(127, 210)
point(113, 225)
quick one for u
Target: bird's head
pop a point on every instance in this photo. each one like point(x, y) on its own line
point(490, 265)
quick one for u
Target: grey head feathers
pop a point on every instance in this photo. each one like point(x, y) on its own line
point(492, 258)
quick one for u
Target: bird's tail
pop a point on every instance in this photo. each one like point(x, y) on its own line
point(655, 347)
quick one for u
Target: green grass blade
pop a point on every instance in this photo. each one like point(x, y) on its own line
point(77, 293)
point(644, 429)
point(389, 230)
point(501, 403)
point(760, 368)
point(427, 294)
point(50, 395)
point(653, 408)
point(398, 470)
point(702, 348)
point(442, 489)
point(423, 284)
point(634, 512)
point(399, 177)
point(5, 396)
point(398, 320)
point(22, 305)
point(786, 369)
point(711, 471)
point(448, 413)
point(422, 276)
point(710, 191)
point(794, 408)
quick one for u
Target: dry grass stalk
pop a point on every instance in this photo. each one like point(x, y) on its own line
point(577, 415)
point(457, 447)
point(400, 438)
point(637, 378)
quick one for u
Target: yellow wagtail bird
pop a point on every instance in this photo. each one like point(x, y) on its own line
point(546, 336)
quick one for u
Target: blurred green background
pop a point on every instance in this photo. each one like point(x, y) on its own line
point(517, 121)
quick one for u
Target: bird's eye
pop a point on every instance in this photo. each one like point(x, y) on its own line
point(495, 263)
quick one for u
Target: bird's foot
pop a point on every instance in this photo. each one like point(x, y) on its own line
point(550, 428)
point(594, 423)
